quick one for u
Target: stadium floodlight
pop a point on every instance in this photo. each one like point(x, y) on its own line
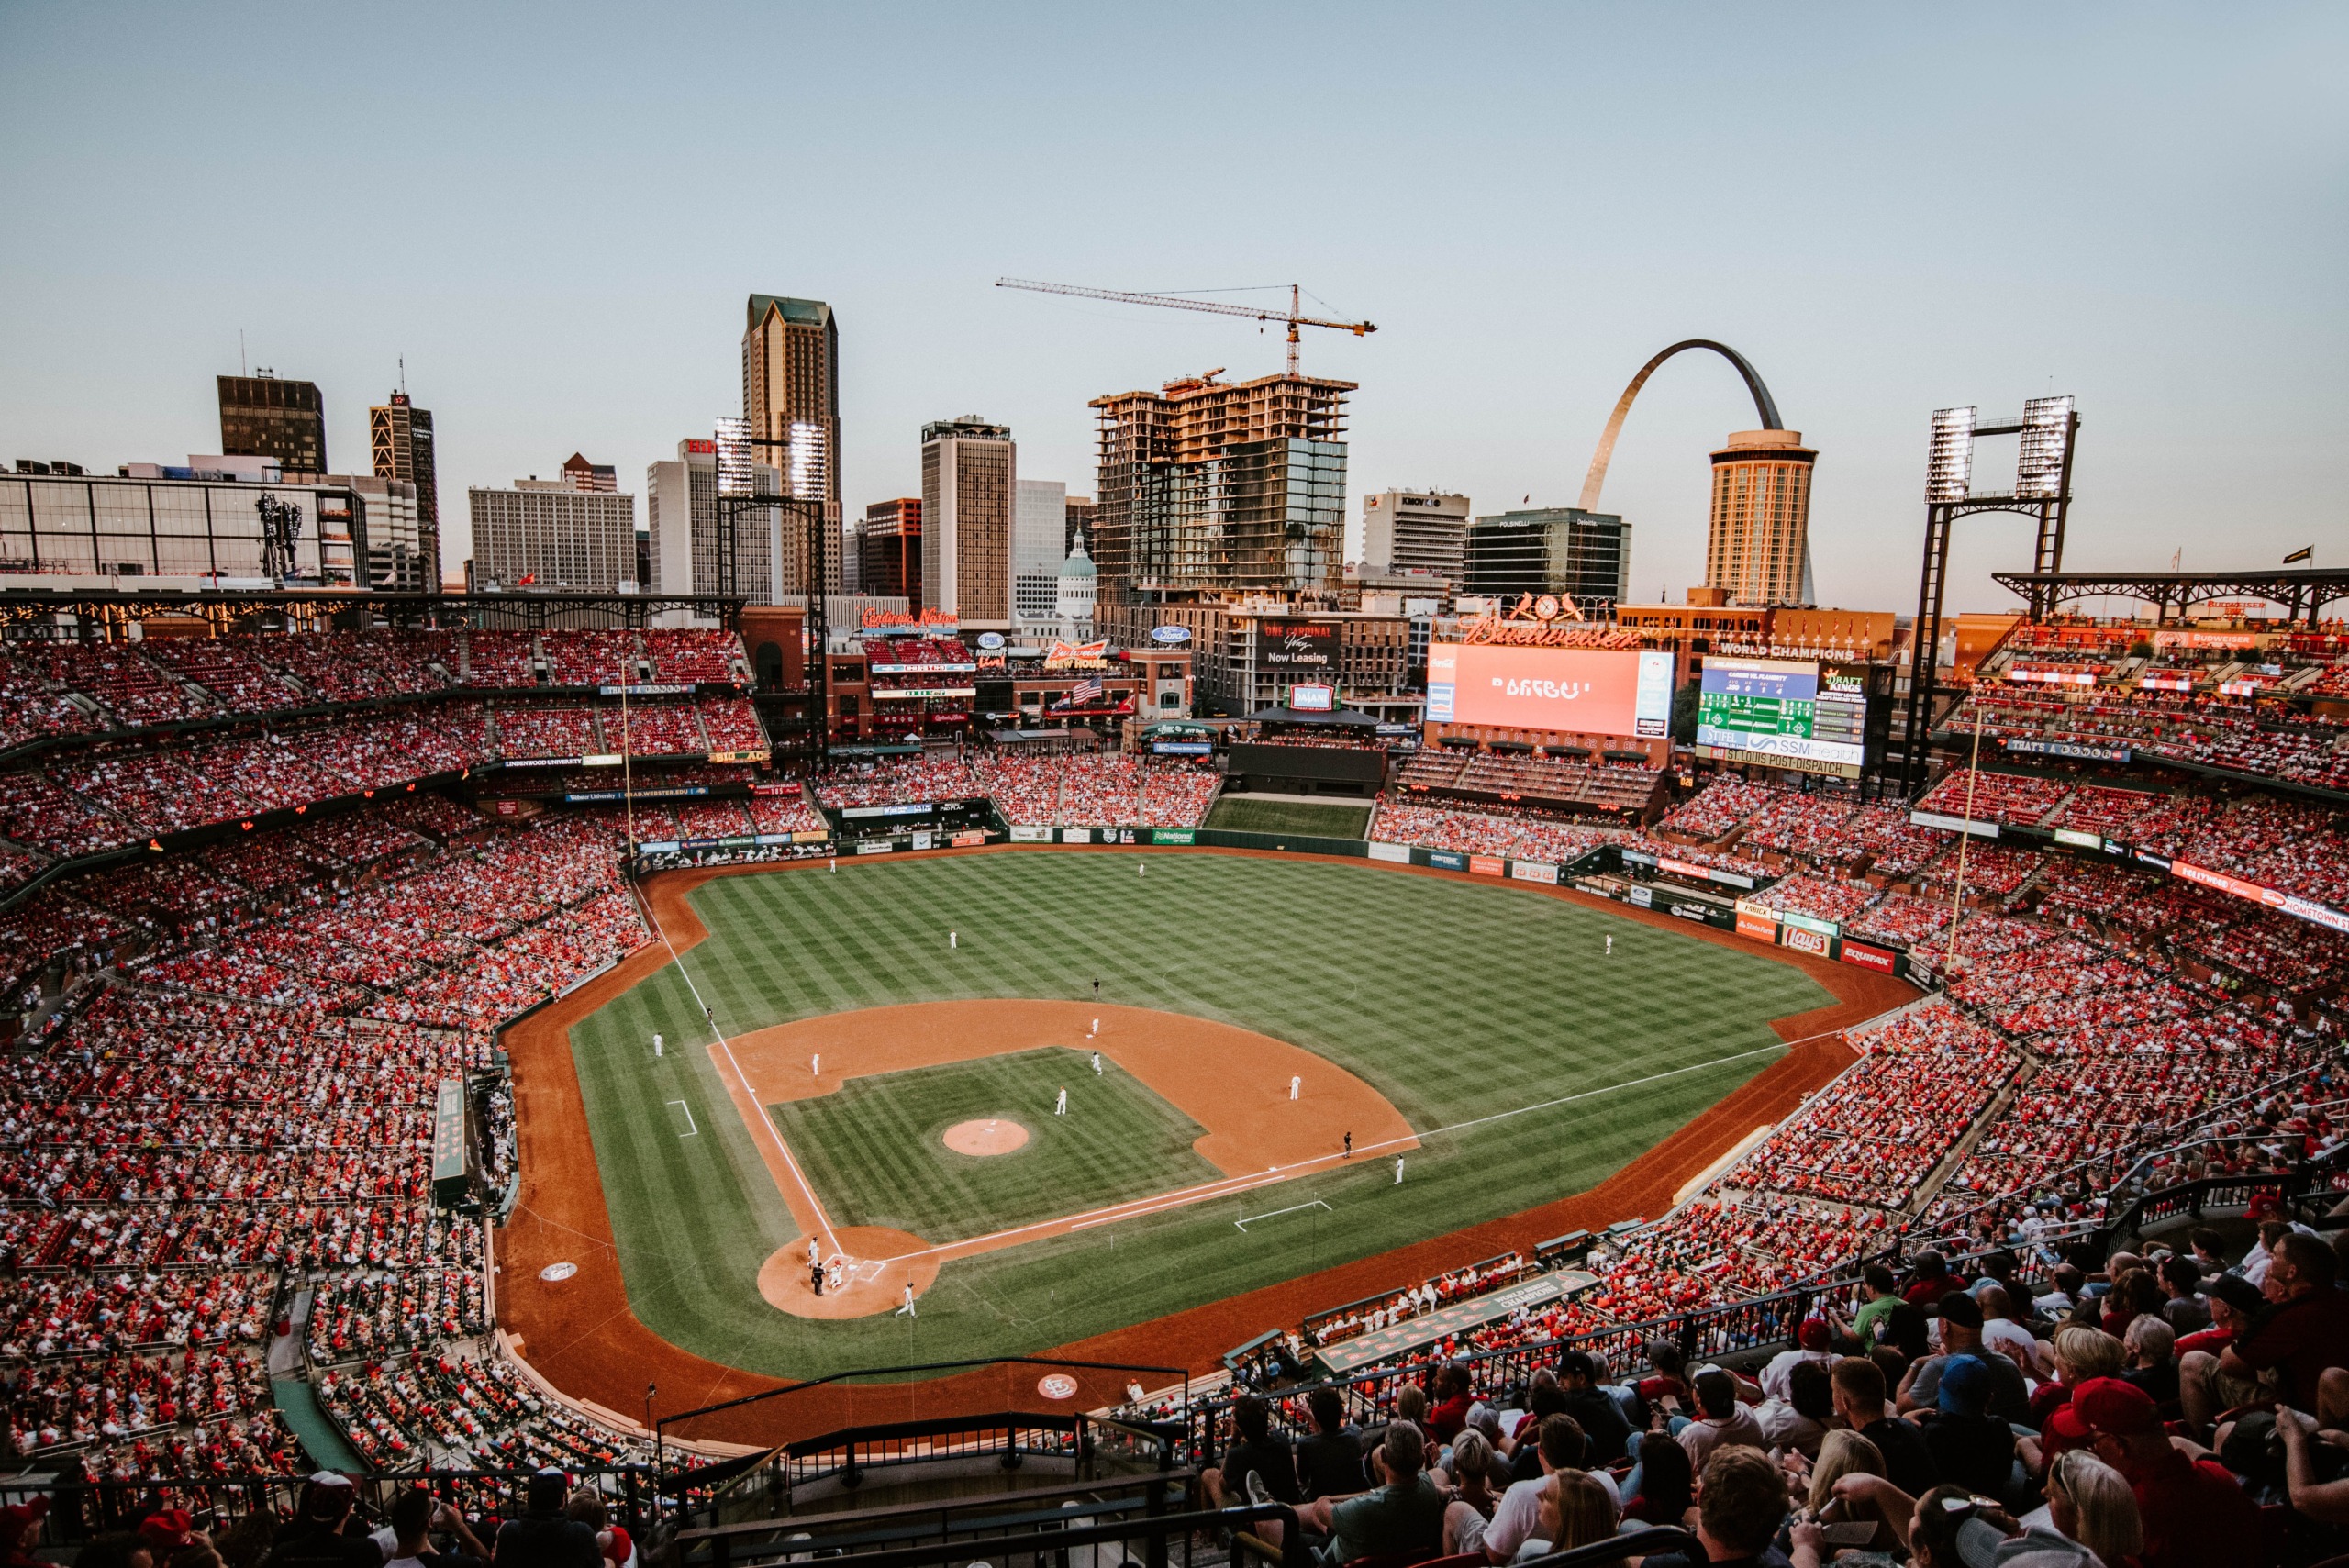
point(737, 470)
point(807, 462)
point(2046, 435)
point(1949, 463)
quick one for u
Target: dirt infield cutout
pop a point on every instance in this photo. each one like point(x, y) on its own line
point(981, 1138)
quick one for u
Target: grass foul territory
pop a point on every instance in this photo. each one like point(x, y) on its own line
point(1307, 818)
point(1490, 1017)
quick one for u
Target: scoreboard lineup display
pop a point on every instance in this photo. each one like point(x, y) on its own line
point(1784, 713)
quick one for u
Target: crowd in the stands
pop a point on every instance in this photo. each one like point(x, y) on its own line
point(244, 1108)
point(1096, 789)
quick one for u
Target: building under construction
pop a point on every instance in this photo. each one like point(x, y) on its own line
point(1212, 487)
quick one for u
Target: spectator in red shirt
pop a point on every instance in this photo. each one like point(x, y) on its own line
point(1931, 1281)
point(2195, 1514)
point(1449, 1411)
point(2307, 1329)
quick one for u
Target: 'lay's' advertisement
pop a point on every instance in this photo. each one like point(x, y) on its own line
point(1595, 691)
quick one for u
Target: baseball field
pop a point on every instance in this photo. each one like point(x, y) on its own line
point(891, 1040)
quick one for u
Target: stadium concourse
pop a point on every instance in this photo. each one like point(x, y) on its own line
point(261, 915)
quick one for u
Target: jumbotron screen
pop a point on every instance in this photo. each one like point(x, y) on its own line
point(1594, 691)
point(1778, 708)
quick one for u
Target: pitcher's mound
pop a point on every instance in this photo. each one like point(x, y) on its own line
point(868, 1283)
point(985, 1137)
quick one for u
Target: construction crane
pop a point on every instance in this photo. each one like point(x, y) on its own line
point(1293, 314)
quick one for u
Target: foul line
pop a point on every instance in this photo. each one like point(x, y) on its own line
point(1275, 1214)
point(1233, 1185)
point(710, 1014)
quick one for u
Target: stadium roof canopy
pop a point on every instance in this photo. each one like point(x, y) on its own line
point(2303, 591)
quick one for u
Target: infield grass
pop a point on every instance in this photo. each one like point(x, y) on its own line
point(1532, 1065)
point(874, 1148)
point(1312, 819)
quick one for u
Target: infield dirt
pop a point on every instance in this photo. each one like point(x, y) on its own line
point(581, 1334)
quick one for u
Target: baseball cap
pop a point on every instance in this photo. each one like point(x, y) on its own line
point(1979, 1545)
point(2235, 1291)
point(1964, 1385)
point(168, 1529)
point(2122, 1409)
point(1812, 1335)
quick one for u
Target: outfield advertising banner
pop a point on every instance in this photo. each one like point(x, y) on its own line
point(1861, 955)
point(1754, 921)
point(1533, 871)
point(1399, 854)
point(1589, 691)
point(1447, 860)
point(1174, 836)
point(1023, 833)
point(1076, 835)
point(1486, 865)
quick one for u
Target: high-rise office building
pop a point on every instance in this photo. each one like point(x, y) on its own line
point(400, 435)
point(791, 397)
point(1039, 546)
point(1218, 486)
point(682, 533)
point(554, 534)
point(890, 550)
point(1415, 530)
point(602, 478)
point(970, 472)
point(263, 417)
point(1562, 550)
point(1080, 525)
point(1757, 543)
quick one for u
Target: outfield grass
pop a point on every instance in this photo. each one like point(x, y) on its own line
point(1322, 819)
point(873, 1147)
point(1462, 1002)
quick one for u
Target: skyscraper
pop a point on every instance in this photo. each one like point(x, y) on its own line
point(1561, 551)
point(791, 377)
point(400, 435)
point(1414, 530)
point(1080, 525)
point(890, 550)
point(969, 475)
point(1757, 544)
point(1039, 534)
point(1218, 486)
point(263, 417)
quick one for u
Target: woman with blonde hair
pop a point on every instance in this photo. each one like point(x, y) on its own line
point(2090, 1502)
point(2081, 1354)
point(1845, 1452)
point(1575, 1510)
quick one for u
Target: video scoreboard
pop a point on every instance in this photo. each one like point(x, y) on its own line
point(1784, 713)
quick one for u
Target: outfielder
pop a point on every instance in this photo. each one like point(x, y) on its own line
point(1096, 1065)
point(906, 1306)
point(1295, 1083)
point(1060, 1107)
point(1398, 1169)
point(656, 1045)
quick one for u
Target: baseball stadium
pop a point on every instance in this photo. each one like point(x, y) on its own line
point(455, 1037)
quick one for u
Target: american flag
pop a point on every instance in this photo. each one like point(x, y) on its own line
point(1087, 690)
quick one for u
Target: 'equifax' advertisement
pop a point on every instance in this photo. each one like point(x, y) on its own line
point(1594, 691)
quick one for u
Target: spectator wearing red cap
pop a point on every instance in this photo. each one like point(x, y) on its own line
point(1812, 1342)
point(20, 1522)
point(2195, 1514)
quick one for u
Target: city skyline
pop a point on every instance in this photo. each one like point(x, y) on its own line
point(1894, 254)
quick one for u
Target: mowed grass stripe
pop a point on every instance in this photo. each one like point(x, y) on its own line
point(1457, 1000)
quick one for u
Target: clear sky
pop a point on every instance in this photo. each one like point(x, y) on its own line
point(555, 214)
